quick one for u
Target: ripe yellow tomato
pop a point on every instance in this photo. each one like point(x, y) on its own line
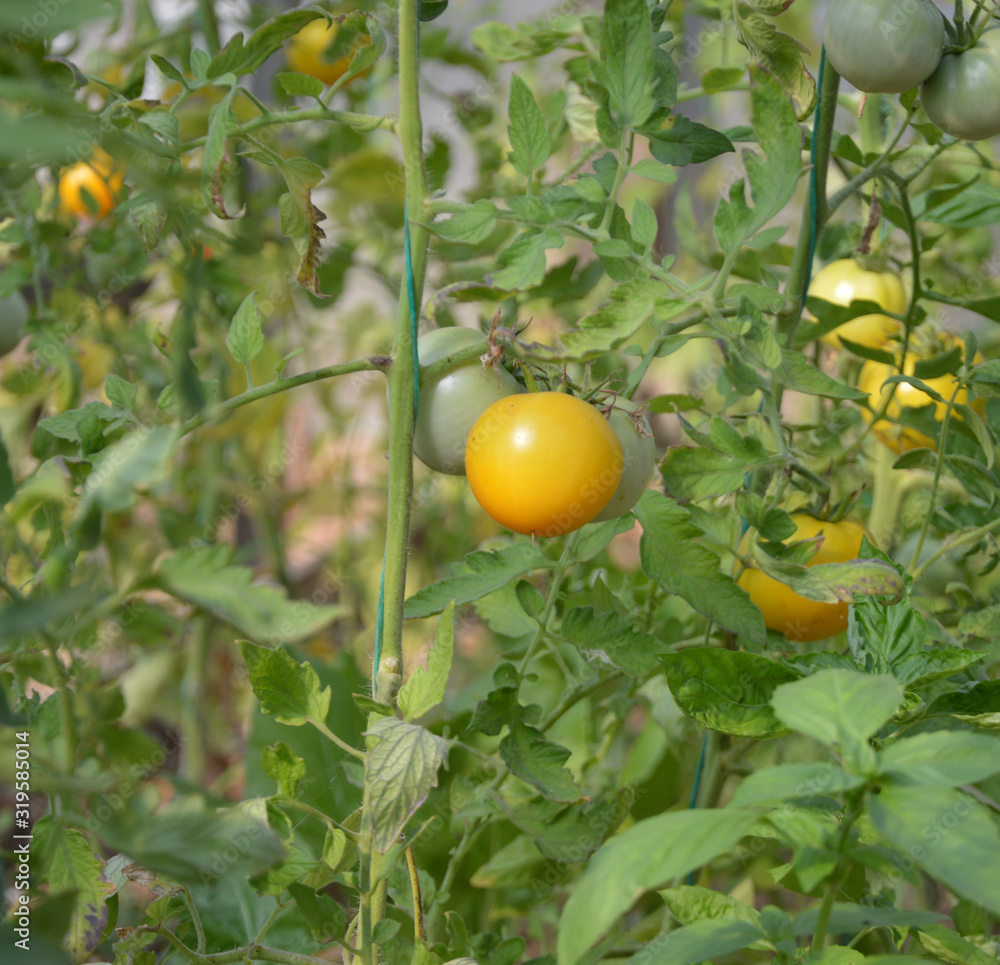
point(543, 463)
point(306, 51)
point(902, 438)
point(842, 282)
point(91, 188)
point(798, 618)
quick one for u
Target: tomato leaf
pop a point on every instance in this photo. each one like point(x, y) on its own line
point(945, 832)
point(728, 691)
point(204, 576)
point(528, 133)
point(626, 66)
point(687, 142)
point(288, 691)
point(647, 856)
point(245, 338)
point(425, 687)
point(979, 706)
point(538, 761)
point(772, 178)
point(484, 573)
point(841, 708)
point(945, 758)
point(402, 768)
point(672, 555)
point(611, 640)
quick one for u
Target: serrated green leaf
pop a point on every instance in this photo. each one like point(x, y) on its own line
point(139, 460)
point(528, 133)
point(282, 764)
point(300, 85)
point(288, 691)
point(485, 572)
point(206, 577)
point(246, 337)
point(471, 226)
point(402, 768)
point(425, 687)
point(73, 866)
point(672, 555)
point(120, 392)
point(626, 65)
point(687, 142)
point(728, 691)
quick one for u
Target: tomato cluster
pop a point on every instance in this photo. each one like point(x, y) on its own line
point(884, 46)
point(539, 463)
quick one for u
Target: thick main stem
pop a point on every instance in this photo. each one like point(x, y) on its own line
point(387, 674)
point(402, 374)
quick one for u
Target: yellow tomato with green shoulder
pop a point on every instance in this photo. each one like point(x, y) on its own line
point(784, 610)
point(872, 380)
point(845, 281)
point(309, 51)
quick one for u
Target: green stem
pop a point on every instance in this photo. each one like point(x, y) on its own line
point(342, 744)
point(376, 363)
point(962, 539)
point(402, 374)
point(209, 24)
point(199, 928)
point(192, 698)
point(320, 816)
point(939, 466)
point(624, 155)
point(249, 953)
point(362, 122)
point(852, 810)
point(801, 267)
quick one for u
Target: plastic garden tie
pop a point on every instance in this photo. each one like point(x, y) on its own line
point(411, 293)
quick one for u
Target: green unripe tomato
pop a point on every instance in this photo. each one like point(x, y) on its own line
point(13, 318)
point(638, 456)
point(884, 46)
point(449, 407)
point(962, 96)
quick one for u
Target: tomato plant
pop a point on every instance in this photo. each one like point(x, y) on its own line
point(958, 96)
point(883, 46)
point(449, 406)
point(543, 463)
point(271, 692)
point(844, 281)
point(799, 618)
point(899, 396)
